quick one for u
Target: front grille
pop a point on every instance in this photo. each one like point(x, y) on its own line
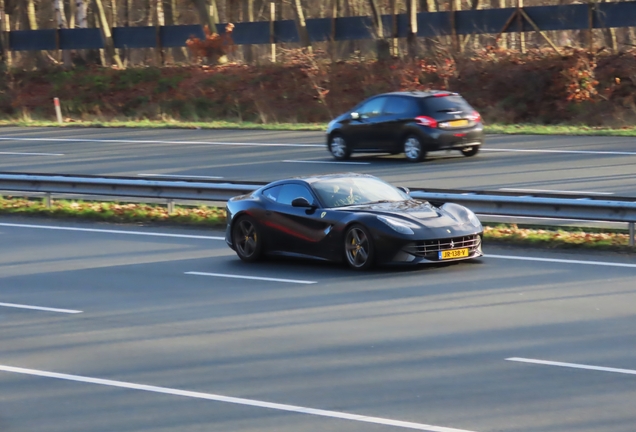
point(430, 248)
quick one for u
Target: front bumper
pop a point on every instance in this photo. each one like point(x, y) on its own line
point(430, 251)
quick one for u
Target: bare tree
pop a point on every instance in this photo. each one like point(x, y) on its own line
point(382, 45)
point(110, 49)
point(301, 25)
point(60, 19)
point(411, 36)
point(82, 16)
point(248, 16)
point(203, 9)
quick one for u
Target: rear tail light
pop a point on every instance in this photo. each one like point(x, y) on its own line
point(474, 117)
point(426, 121)
point(442, 94)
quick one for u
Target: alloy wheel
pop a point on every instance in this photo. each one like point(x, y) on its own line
point(357, 248)
point(413, 149)
point(246, 239)
point(338, 147)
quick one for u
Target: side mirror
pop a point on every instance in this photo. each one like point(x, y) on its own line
point(301, 202)
point(355, 116)
point(404, 189)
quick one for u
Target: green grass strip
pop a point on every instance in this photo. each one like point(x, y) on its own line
point(205, 216)
point(520, 129)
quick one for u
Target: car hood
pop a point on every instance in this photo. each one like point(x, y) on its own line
point(420, 212)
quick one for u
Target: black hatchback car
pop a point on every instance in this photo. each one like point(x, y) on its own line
point(412, 123)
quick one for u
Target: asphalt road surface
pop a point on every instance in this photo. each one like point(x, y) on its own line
point(117, 328)
point(580, 165)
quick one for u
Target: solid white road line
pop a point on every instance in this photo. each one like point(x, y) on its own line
point(180, 176)
point(563, 261)
point(154, 234)
point(572, 365)
point(593, 152)
point(223, 275)
point(120, 141)
point(151, 234)
point(31, 154)
point(327, 162)
point(40, 308)
point(555, 191)
point(232, 400)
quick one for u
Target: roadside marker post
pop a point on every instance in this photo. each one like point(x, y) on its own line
point(58, 110)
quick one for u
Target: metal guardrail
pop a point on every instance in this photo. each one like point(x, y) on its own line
point(495, 203)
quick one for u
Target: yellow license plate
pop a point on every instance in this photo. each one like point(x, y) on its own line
point(458, 123)
point(453, 253)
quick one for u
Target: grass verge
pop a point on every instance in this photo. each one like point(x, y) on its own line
point(517, 129)
point(215, 217)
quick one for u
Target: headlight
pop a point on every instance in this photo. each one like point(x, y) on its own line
point(472, 218)
point(462, 214)
point(398, 225)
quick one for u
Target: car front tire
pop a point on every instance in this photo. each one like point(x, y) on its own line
point(470, 151)
point(413, 149)
point(247, 239)
point(358, 248)
point(339, 147)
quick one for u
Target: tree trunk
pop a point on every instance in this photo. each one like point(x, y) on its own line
point(428, 5)
point(60, 19)
point(248, 16)
point(31, 17)
point(71, 14)
point(32, 24)
point(301, 25)
point(82, 17)
point(107, 33)
point(411, 36)
point(382, 45)
point(172, 18)
point(203, 9)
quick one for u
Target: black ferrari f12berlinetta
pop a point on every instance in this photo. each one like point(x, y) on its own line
point(355, 218)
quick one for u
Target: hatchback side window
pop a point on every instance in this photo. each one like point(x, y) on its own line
point(401, 105)
point(290, 192)
point(373, 108)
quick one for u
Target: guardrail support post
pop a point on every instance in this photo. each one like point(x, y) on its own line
point(631, 234)
point(170, 206)
point(47, 200)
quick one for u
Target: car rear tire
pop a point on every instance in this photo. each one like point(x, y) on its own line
point(247, 239)
point(413, 149)
point(358, 248)
point(339, 147)
point(470, 151)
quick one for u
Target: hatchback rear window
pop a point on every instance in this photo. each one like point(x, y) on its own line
point(446, 104)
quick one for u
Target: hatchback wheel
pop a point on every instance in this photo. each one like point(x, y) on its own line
point(247, 239)
point(339, 148)
point(358, 248)
point(413, 149)
point(470, 151)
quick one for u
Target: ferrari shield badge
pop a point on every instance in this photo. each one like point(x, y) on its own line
point(322, 215)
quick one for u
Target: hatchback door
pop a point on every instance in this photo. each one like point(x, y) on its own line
point(399, 112)
point(453, 114)
point(451, 111)
point(363, 131)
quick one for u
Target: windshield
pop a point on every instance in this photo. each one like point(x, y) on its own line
point(346, 191)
